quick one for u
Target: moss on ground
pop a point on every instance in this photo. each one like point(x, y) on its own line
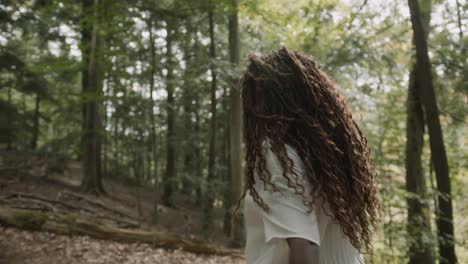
point(30, 220)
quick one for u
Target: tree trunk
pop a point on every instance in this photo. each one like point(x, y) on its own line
point(188, 95)
point(86, 39)
point(198, 153)
point(419, 221)
point(235, 124)
point(91, 181)
point(427, 94)
point(152, 141)
point(170, 175)
point(99, 140)
point(188, 174)
point(418, 225)
point(210, 190)
point(9, 122)
point(105, 143)
point(227, 201)
point(152, 157)
point(115, 141)
point(36, 122)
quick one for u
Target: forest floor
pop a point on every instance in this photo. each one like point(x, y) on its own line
point(25, 247)
point(124, 206)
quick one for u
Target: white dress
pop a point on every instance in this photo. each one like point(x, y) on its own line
point(289, 217)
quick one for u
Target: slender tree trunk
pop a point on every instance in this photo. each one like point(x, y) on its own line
point(122, 148)
point(105, 142)
point(459, 22)
point(188, 95)
point(445, 218)
point(9, 122)
point(139, 170)
point(235, 124)
point(188, 174)
point(152, 141)
point(227, 175)
point(99, 156)
point(152, 157)
point(105, 147)
point(198, 152)
point(86, 39)
point(36, 122)
point(115, 141)
point(91, 181)
point(461, 42)
point(170, 175)
point(419, 221)
point(210, 190)
point(418, 225)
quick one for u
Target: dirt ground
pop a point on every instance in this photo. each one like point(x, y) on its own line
point(123, 204)
point(24, 247)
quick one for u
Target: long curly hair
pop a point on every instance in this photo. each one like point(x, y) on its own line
point(288, 99)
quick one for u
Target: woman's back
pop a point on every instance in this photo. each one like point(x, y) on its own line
point(288, 216)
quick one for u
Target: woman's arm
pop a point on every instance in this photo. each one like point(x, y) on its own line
point(302, 251)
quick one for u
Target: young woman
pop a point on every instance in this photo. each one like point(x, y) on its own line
point(310, 193)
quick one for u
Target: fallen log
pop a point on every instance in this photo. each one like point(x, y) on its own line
point(11, 200)
point(73, 225)
point(94, 202)
point(38, 198)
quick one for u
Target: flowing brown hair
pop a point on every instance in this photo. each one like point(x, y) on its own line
point(288, 99)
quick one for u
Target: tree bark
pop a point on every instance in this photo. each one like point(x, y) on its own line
point(227, 201)
point(198, 153)
point(152, 157)
point(115, 141)
point(235, 124)
point(170, 174)
point(152, 141)
point(427, 93)
point(189, 174)
point(419, 222)
point(92, 180)
point(9, 122)
point(86, 39)
point(36, 121)
point(210, 190)
point(105, 143)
